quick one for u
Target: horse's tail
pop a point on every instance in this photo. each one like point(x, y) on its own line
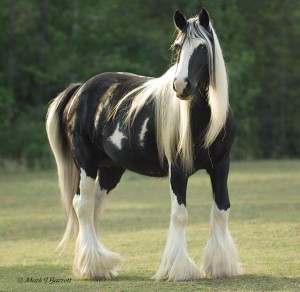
point(68, 173)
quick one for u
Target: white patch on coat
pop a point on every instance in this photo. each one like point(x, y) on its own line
point(101, 105)
point(117, 137)
point(220, 258)
point(143, 132)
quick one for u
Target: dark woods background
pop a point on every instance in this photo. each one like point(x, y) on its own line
point(47, 44)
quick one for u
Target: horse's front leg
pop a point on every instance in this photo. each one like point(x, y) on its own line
point(176, 264)
point(220, 257)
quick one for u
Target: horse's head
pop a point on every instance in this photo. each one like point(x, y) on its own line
point(194, 47)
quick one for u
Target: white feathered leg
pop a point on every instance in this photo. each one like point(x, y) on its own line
point(92, 260)
point(176, 264)
point(220, 257)
point(100, 198)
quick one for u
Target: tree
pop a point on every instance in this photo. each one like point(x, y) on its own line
point(45, 45)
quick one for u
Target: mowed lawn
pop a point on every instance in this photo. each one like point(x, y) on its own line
point(264, 221)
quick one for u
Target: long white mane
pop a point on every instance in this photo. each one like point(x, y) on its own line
point(217, 95)
point(172, 115)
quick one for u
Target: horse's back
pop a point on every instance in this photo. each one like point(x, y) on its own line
point(90, 123)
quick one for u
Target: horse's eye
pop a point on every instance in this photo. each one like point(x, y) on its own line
point(201, 48)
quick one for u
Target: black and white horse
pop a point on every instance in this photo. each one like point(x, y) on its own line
point(171, 126)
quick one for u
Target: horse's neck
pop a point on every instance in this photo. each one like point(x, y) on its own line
point(200, 104)
point(200, 114)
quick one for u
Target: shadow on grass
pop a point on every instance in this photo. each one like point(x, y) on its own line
point(42, 278)
point(240, 283)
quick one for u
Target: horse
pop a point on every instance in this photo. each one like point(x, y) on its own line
point(170, 126)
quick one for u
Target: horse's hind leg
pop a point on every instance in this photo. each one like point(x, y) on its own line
point(220, 257)
point(108, 179)
point(92, 260)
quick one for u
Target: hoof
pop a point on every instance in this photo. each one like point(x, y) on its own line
point(178, 271)
point(97, 264)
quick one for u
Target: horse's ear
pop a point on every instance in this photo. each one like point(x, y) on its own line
point(204, 18)
point(179, 20)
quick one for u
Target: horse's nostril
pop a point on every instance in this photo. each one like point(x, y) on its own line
point(188, 83)
point(179, 85)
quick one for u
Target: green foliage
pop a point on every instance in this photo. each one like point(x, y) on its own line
point(46, 45)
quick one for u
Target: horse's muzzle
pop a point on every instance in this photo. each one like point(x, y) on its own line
point(182, 88)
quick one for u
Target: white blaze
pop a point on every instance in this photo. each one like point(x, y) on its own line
point(188, 47)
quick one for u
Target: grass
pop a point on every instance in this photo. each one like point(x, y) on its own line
point(264, 221)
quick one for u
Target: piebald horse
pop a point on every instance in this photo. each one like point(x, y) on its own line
point(173, 125)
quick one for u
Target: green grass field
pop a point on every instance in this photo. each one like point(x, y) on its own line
point(264, 221)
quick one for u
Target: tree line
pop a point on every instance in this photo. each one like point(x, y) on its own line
point(47, 44)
